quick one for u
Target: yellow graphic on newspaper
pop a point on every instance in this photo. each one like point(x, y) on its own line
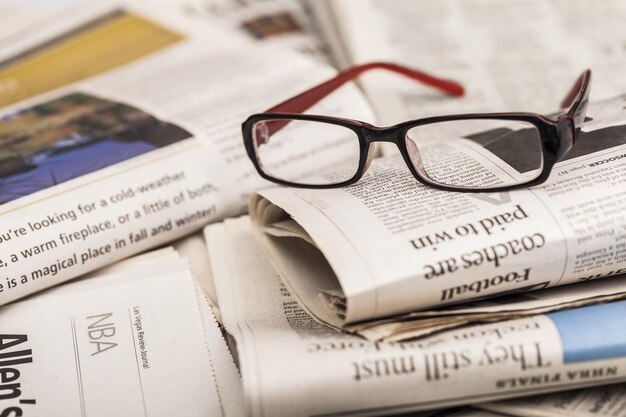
point(103, 44)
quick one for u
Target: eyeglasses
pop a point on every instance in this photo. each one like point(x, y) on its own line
point(465, 152)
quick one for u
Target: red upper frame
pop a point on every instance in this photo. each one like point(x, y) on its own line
point(306, 100)
point(573, 94)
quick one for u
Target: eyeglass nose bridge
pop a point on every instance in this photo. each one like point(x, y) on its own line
point(380, 134)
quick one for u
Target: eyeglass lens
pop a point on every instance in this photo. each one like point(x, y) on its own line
point(476, 153)
point(306, 152)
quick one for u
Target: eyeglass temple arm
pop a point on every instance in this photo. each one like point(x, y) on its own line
point(305, 100)
point(577, 91)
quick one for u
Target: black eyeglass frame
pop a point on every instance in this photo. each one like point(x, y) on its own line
point(558, 136)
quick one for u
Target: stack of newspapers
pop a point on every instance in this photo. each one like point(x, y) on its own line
point(193, 287)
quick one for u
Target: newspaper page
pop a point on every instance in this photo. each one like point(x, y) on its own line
point(193, 248)
point(88, 40)
point(188, 255)
point(118, 342)
point(520, 58)
point(389, 245)
point(293, 365)
point(287, 23)
point(604, 401)
point(18, 18)
point(183, 256)
point(15, 17)
point(418, 324)
point(111, 166)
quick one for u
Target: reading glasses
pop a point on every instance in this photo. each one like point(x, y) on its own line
point(464, 152)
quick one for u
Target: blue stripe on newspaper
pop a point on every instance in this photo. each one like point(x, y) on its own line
point(592, 333)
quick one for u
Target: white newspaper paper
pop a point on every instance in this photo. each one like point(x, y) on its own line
point(117, 345)
point(508, 58)
point(604, 401)
point(287, 23)
point(141, 155)
point(422, 323)
point(292, 365)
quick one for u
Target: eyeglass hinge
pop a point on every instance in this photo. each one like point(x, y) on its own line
point(567, 134)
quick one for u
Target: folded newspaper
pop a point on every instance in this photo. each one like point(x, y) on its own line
point(285, 354)
point(389, 245)
point(113, 341)
point(422, 323)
